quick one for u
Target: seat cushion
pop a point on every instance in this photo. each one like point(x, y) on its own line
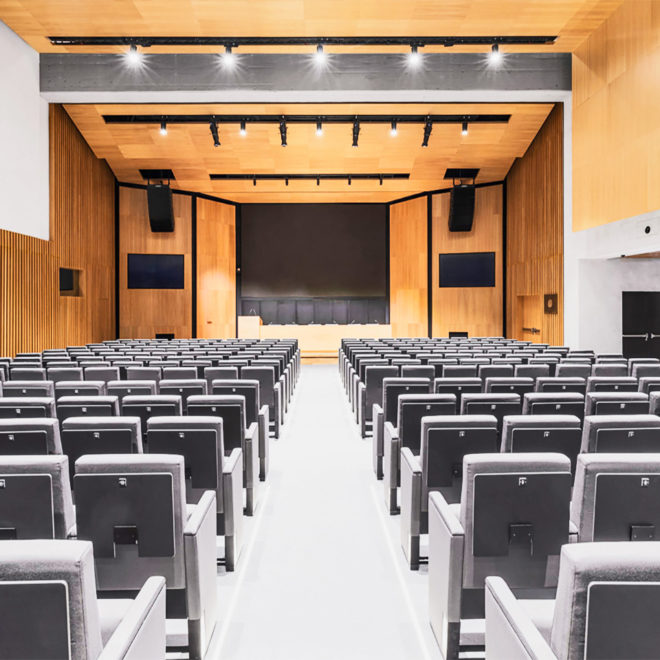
point(111, 612)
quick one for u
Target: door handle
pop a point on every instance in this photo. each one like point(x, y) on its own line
point(534, 331)
point(645, 336)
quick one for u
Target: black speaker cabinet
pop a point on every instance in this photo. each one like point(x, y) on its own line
point(159, 201)
point(461, 208)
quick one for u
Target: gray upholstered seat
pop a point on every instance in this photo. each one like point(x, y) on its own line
point(512, 521)
point(183, 387)
point(106, 373)
point(609, 370)
point(144, 373)
point(27, 373)
point(562, 384)
point(611, 383)
point(145, 406)
point(16, 388)
point(24, 436)
point(180, 373)
point(59, 614)
point(649, 384)
point(79, 388)
point(122, 388)
point(219, 373)
point(553, 403)
point(26, 407)
point(83, 406)
point(607, 603)
point(124, 498)
point(494, 404)
point(370, 391)
point(508, 385)
point(270, 391)
point(616, 403)
point(621, 433)
point(57, 374)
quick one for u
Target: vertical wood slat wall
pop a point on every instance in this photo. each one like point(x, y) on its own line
point(33, 315)
point(535, 231)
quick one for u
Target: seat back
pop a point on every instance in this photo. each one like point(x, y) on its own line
point(38, 388)
point(122, 388)
point(230, 408)
point(616, 403)
point(458, 386)
point(608, 597)
point(495, 371)
point(146, 406)
point(647, 384)
point(532, 371)
point(105, 374)
point(266, 378)
point(26, 407)
point(180, 373)
point(418, 371)
point(561, 384)
point(79, 388)
point(612, 384)
point(509, 385)
point(219, 373)
point(144, 373)
point(35, 497)
point(132, 507)
point(374, 375)
point(445, 441)
point(48, 606)
point(29, 436)
point(621, 433)
point(394, 387)
point(27, 373)
point(249, 389)
point(412, 408)
point(497, 405)
point(553, 403)
point(57, 374)
point(87, 406)
point(459, 371)
point(184, 388)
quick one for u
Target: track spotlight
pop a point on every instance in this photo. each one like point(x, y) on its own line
point(320, 57)
point(163, 127)
point(495, 56)
point(428, 127)
point(356, 131)
point(228, 58)
point(318, 181)
point(414, 56)
point(133, 56)
point(393, 129)
point(243, 129)
point(283, 131)
point(254, 181)
point(464, 128)
point(380, 178)
point(319, 129)
point(349, 180)
point(214, 132)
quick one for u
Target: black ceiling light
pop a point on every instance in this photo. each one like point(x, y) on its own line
point(283, 131)
point(428, 127)
point(214, 132)
point(356, 131)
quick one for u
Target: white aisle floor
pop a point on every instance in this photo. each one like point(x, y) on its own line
point(322, 575)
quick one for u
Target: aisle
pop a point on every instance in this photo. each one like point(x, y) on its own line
point(322, 575)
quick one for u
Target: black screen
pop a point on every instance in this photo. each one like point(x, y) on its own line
point(66, 279)
point(468, 269)
point(313, 250)
point(155, 271)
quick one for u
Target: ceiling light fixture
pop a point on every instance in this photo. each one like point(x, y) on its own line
point(283, 131)
point(214, 132)
point(243, 129)
point(228, 57)
point(464, 128)
point(133, 56)
point(319, 129)
point(320, 56)
point(356, 131)
point(414, 56)
point(428, 127)
point(393, 129)
point(163, 127)
point(495, 56)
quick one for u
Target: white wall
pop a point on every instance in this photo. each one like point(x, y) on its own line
point(24, 179)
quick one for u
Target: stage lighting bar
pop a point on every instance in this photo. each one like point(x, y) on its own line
point(349, 178)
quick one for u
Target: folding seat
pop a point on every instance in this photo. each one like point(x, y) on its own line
point(552, 363)
point(124, 365)
point(509, 384)
point(531, 370)
point(616, 403)
point(28, 356)
point(612, 384)
point(606, 607)
point(206, 467)
point(497, 405)
point(370, 392)
point(17, 388)
point(145, 406)
point(412, 409)
point(122, 388)
point(183, 387)
point(458, 386)
point(445, 441)
point(87, 406)
point(254, 413)
point(26, 373)
point(609, 369)
point(198, 365)
point(561, 434)
point(236, 435)
point(621, 434)
point(418, 371)
point(100, 435)
point(35, 498)
point(387, 411)
point(439, 363)
point(270, 393)
point(460, 371)
point(495, 371)
point(282, 376)
point(648, 362)
point(553, 403)
point(646, 384)
point(105, 374)
point(573, 370)
point(133, 509)
point(179, 373)
point(642, 370)
point(511, 522)
point(144, 373)
point(616, 496)
point(26, 406)
point(79, 388)
point(562, 384)
point(56, 374)
point(355, 376)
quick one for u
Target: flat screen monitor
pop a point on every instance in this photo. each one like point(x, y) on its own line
point(156, 271)
point(467, 269)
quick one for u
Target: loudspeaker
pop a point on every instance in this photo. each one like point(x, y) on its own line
point(159, 201)
point(461, 208)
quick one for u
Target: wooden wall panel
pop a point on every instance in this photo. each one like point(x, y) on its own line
point(475, 310)
point(616, 95)
point(408, 268)
point(33, 315)
point(145, 312)
point(216, 269)
point(535, 231)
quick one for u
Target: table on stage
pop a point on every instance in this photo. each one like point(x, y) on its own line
point(315, 341)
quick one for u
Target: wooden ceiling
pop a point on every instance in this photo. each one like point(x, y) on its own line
point(188, 149)
point(571, 20)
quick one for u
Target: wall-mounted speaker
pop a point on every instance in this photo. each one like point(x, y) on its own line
point(550, 303)
point(461, 207)
point(159, 201)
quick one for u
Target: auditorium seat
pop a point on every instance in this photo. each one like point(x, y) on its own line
point(531, 370)
point(511, 522)
point(87, 406)
point(553, 403)
point(105, 373)
point(609, 369)
point(184, 387)
point(647, 384)
point(38, 388)
point(122, 388)
point(509, 384)
point(219, 373)
point(142, 496)
point(35, 498)
point(370, 391)
point(27, 406)
point(606, 607)
point(270, 393)
point(57, 374)
point(616, 403)
point(145, 406)
point(143, 373)
point(60, 615)
point(612, 384)
point(621, 434)
point(79, 388)
point(445, 441)
point(561, 384)
point(458, 386)
point(200, 441)
point(411, 410)
point(497, 405)
point(459, 371)
point(27, 373)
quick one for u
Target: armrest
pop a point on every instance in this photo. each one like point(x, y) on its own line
point(140, 635)
point(252, 455)
point(391, 449)
point(573, 532)
point(377, 439)
point(510, 633)
point(361, 405)
point(278, 400)
point(232, 491)
point(446, 542)
point(199, 544)
point(264, 441)
point(411, 494)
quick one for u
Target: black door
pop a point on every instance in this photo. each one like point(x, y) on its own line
point(641, 323)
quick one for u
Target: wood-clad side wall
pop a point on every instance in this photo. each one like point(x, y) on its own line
point(145, 312)
point(216, 269)
point(535, 235)
point(616, 95)
point(476, 310)
point(408, 268)
point(33, 314)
